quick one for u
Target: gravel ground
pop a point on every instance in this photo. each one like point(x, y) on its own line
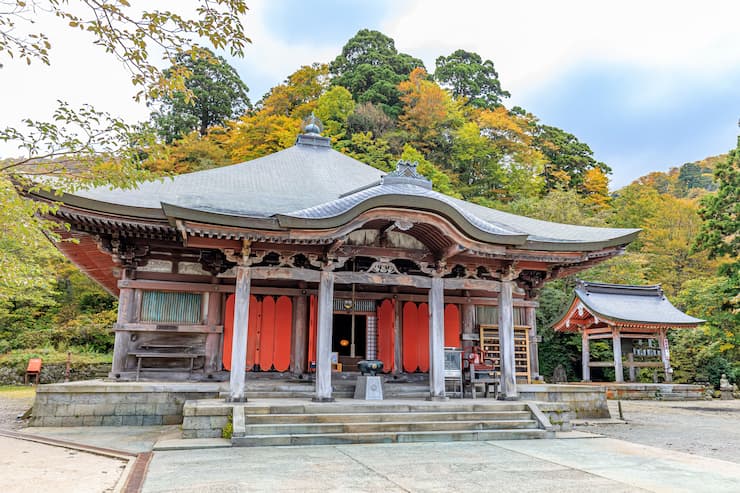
point(705, 428)
point(13, 403)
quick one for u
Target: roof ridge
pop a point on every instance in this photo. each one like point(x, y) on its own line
point(623, 289)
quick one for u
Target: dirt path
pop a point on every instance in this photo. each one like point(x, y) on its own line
point(705, 428)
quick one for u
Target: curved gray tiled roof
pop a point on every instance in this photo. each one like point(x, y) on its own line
point(642, 304)
point(311, 185)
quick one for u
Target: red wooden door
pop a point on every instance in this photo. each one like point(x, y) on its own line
point(283, 333)
point(267, 333)
point(386, 322)
point(422, 323)
point(410, 337)
point(228, 332)
point(313, 323)
point(452, 326)
point(254, 332)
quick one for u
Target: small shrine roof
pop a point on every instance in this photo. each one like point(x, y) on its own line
point(619, 303)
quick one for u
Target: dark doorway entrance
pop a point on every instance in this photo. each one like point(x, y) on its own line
point(342, 335)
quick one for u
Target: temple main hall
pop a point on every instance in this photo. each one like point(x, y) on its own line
point(306, 261)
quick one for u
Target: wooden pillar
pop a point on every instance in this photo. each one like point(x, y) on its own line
point(631, 370)
point(468, 326)
point(617, 347)
point(506, 341)
point(213, 339)
point(665, 354)
point(126, 311)
point(585, 356)
point(397, 336)
point(437, 340)
point(299, 341)
point(237, 379)
point(534, 354)
point(323, 339)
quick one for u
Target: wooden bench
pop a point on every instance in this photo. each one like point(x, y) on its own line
point(483, 375)
point(164, 351)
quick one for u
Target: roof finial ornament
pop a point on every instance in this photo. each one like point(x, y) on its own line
point(311, 133)
point(406, 173)
point(312, 125)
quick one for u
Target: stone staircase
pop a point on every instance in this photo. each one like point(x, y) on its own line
point(274, 424)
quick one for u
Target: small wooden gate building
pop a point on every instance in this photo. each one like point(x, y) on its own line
point(635, 318)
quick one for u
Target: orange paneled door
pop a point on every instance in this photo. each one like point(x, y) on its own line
point(415, 337)
point(452, 326)
point(269, 333)
point(386, 322)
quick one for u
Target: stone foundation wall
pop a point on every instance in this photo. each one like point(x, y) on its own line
point(115, 404)
point(583, 401)
point(655, 391)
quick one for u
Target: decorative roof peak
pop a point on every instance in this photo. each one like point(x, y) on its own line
point(312, 133)
point(406, 174)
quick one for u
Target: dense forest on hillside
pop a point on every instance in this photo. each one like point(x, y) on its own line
point(379, 106)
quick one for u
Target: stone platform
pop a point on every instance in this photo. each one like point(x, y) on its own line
point(107, 403)
point(643, 391)
point(584, 401)
point(102, 403)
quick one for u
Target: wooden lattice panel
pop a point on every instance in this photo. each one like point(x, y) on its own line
point(489, 342)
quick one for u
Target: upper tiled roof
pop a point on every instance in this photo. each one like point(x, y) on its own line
point(310, 185)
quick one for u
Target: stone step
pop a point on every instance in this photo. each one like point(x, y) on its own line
point(385, 427)
point(382, 417)
point(388, 437)
point(375, 407)
point(307, 394)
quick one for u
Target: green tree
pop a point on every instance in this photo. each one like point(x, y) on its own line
point(364, 147)
point(258, 135)
point(333, 108)
point(296, 97)
point(429, 112)
point(467, 76)
point(192, 152)
point(568, 159)
point(720, 232)
point(371, 68)
point(216, 94)
point(82, 146)
point(441, 182)
point(128, 33)
point(368, 117)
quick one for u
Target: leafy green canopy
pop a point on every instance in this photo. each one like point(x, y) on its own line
point(371, 68)
point(216, 94)
point(568, 158)
point(467, 76)
point(81, 146)
point(720, 233)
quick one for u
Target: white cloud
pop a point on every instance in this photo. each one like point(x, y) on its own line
point(533, 42)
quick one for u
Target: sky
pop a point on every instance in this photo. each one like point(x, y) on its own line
point(647, 84)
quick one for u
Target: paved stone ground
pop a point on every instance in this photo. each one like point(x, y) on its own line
point(705, 428)
point(567, 465)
